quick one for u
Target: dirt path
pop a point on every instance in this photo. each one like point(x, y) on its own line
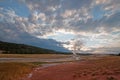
point(44, 58)
point(83, 70)
point(33, 60)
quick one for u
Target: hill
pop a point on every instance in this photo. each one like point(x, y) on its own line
point(8, 48)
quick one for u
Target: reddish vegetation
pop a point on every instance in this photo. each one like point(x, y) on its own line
point(102, 69)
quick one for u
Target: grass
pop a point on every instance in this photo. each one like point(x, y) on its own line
point(14, 71)
point(17, 70)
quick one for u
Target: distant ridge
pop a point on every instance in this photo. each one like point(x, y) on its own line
point(14, 48)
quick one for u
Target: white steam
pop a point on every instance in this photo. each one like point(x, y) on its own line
point(76, 48)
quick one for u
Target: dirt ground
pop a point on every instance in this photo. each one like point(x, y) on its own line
point(107, 68)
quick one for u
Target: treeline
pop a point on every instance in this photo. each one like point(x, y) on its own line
point(13, 48)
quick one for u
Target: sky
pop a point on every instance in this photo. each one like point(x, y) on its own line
point(59, 24)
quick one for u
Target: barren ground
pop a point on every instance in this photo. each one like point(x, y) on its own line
point(106, 68)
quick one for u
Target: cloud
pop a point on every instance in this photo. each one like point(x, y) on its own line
point(107, 50)
point(16, 35)
point(16, 29)
point(79, 17)
point(76, 15)
point(37, 17)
